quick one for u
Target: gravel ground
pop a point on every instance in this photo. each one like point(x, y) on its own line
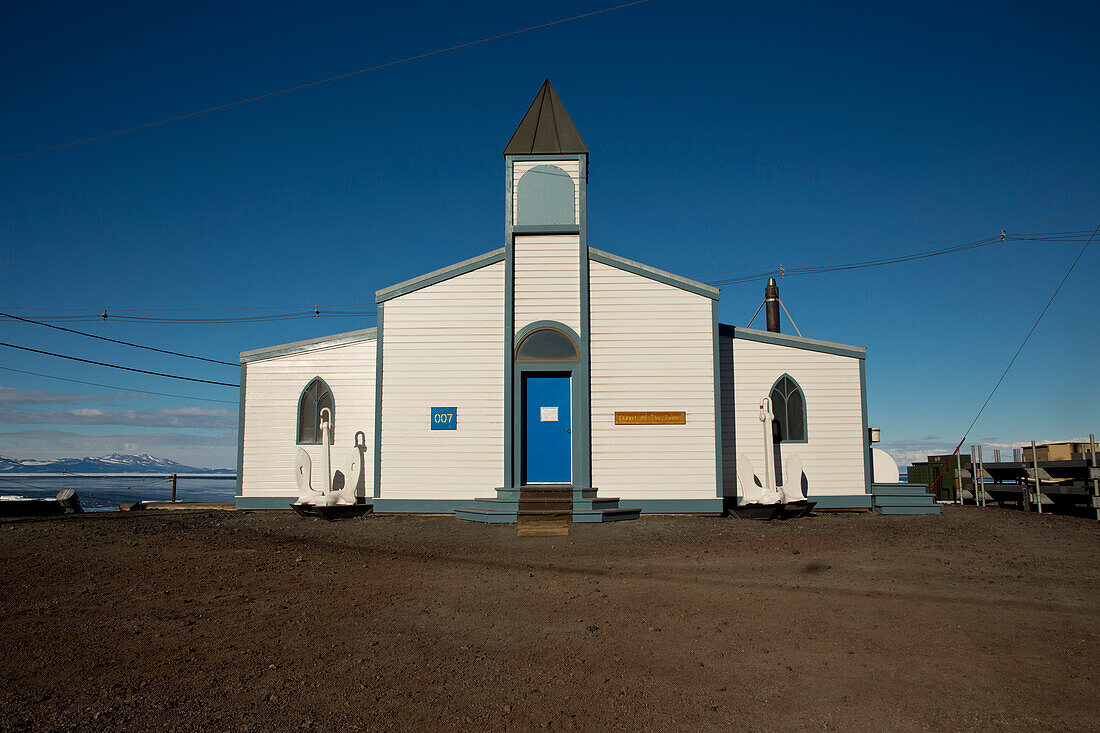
point(979, 618)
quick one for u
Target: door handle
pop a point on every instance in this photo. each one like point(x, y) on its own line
point(568, 430)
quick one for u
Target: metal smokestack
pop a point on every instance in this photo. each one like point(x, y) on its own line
point(771, 300)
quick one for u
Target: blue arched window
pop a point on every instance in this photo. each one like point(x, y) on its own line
point(545, 196)
point(315, 397)
point(789, 407)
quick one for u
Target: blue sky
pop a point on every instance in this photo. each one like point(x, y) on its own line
point(722, 137)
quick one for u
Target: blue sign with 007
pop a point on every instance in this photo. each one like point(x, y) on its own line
point(444, 418)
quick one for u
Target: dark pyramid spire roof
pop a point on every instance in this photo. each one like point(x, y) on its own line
point(546, 128)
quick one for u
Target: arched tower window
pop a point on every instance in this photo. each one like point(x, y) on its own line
point(545, 196)
point(315, 397)
point(546, 344)
point(789, 407)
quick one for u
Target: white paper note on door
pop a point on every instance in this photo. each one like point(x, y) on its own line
point(548, 414)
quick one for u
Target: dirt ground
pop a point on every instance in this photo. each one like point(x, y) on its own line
point(979, 618)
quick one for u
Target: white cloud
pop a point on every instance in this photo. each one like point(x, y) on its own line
point(13, 396)
point(907, 452)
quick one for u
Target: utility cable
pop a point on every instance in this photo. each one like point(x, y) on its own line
point(307, 85)
point(118, 366)
point(114, 386)
point(1014, 356)
point(315, 313)
point(116, 341)
point(923, 244)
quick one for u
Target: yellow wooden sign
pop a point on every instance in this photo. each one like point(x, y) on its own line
point(650, 418)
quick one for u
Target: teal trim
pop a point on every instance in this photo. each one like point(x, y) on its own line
point(653, 273)
point(579, 371)
point(240, 435)
point(474, 514)
point(843, 501)
point(378, 408)
point(265, 502)
point(557, 326)
point(867, 463)
point(846, 501)
point(546, 228)
point(419, 506)
point(542, 156)
point(583, 434)
point(675, 506)
point(298, 417)
point(509, 324)
point(297, 347)
point(717, 403)
point(805, 414)
point(581, 429)
point(733, 417)
point(797, 342)
point(546, 197)
point(438, 276)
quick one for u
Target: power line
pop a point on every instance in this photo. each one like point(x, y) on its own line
point(922, 244)
point(116, 341)
point(118, 366)
point(209, 308)
point(784, 271)
point(112, 386)
point(104, 316)
point(1014, 356)
point(307, 85)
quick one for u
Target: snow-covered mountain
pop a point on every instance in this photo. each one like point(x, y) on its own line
point(113, 463)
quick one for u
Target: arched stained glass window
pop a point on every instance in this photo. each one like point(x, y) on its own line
point(545, 197)
point(546, 344)
point(315, 397)
point(789, 407)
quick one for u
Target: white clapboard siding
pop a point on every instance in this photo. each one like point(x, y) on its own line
point(572, 167)
point(833, 456)
point(443, 346)
point(651, 349)
point(547, 280)
point(272, 389)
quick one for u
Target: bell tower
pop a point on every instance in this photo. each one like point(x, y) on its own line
point(546, 266)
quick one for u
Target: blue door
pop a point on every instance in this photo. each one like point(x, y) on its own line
point(547, 426)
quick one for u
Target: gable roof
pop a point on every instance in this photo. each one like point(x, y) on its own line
point(786, 339)
point(661, 276)
point(297, 347)
point(546, 128)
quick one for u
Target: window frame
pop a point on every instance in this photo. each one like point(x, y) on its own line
point(786, 412)
point(519, 345)
point(520, 191)
point(317, 429)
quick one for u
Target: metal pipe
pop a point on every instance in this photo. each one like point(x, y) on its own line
point(1095, 480)
point(1035, 464)
point(981, 474)
point(973, 473)
point(771, 299)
